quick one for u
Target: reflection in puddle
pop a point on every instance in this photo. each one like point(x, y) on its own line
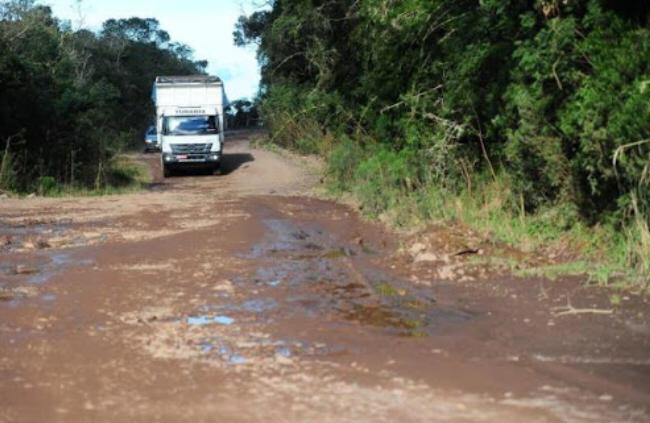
point(199, 320)
point(57, 261)
point(237, 359)
point(283, 352)
point(48, 297)
point(206, 347)
point(40, 278)
point(216, 346)
point(259, 305)
point(19, 234)
point(224, 320)
point(206, 320)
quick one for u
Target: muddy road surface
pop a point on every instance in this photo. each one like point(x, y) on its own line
point(244, 298)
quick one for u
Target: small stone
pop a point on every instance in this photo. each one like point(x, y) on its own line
point(417, 248)
point(23, 269)
point(605, 397)
point(425, 257)
point(280, 359)
point(41, 244)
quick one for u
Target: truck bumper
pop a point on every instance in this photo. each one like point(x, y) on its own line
point(191, 160)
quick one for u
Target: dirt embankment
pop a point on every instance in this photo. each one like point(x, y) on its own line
point(242, 297)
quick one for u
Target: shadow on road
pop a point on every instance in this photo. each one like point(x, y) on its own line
point(232, 162)
point(229, 164)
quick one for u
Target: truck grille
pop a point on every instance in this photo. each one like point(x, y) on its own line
point(191, 148)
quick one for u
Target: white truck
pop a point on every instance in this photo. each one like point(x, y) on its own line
point(190, 121)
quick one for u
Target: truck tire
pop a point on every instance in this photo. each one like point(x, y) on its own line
point(216, 169)
point(167, 172)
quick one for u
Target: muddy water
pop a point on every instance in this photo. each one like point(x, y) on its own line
point(209, 300)
point(305, 273)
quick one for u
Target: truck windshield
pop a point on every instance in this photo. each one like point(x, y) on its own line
point(190, 125)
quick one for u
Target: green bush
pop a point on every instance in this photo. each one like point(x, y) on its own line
point(431, 107)
point(343, 162)
point(47, 185)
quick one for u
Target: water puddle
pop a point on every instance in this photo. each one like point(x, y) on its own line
point(31, 234)
point(283, 352)
point(285, 237)
point(207, 320)
point(236, 359)
point(224, 320)
point(259, 305)
point(48, 297)
point(57, 262)
point(335, 282)
point(257, 346)
point(216, 347)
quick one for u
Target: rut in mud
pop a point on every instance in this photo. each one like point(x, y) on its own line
point(244, 298)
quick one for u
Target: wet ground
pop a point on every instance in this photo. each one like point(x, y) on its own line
point(243, 297)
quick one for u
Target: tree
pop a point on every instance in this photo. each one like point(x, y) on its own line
point(70, 100)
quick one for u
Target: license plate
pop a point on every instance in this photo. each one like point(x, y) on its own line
point(181, 156)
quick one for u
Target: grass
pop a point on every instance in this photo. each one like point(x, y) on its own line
point(122, 175)
point(607, 255)
point(385, 289)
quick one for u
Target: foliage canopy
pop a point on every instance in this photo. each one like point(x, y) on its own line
point(71, 99)
point(554, 94)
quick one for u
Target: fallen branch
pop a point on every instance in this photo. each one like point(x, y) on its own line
point(571, 310)
point(467, 251)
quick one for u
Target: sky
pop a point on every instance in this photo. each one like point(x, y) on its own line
point(204, 25)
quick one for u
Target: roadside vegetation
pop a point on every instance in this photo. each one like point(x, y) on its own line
point(72, 100)
point(529, 120)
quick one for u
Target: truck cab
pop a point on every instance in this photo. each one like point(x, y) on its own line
point(189, 118)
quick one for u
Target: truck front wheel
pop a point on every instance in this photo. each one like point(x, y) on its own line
point(167, 172)
point(216, 168)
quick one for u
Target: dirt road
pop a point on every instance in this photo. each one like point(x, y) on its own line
point(241, 298)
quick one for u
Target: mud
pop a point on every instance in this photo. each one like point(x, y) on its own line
point(243, 297)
